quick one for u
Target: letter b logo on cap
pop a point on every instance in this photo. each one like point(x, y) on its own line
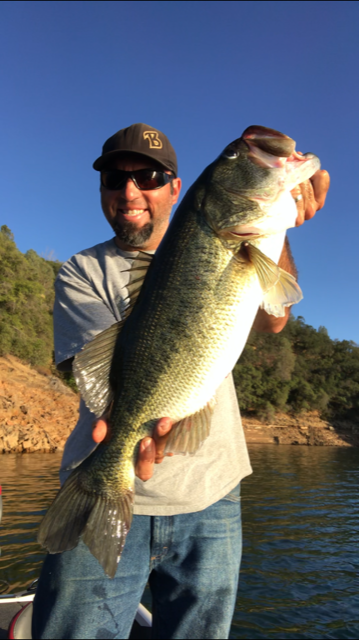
point(153, 139)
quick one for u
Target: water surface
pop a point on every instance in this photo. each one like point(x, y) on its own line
point(299, 576)
point(29, 484)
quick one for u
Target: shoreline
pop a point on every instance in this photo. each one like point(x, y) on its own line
point(305, 429)
point(38, 412)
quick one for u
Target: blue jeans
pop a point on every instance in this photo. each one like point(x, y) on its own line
point(192, 564)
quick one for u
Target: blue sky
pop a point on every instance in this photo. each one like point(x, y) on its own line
point(73, 73)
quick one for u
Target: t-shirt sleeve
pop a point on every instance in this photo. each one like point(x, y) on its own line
point(80, 313)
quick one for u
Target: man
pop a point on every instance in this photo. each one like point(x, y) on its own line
point(186, 532)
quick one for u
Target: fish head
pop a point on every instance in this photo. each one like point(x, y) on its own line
point(248, 192)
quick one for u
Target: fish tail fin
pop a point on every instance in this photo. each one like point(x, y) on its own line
point(107, 529)
point(67, 516)
point(102, 520)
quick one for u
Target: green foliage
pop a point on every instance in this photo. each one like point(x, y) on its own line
point(26, 301)
point(68, 378)
point(299, 369)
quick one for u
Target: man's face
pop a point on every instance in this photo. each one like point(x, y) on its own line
point(139, 218)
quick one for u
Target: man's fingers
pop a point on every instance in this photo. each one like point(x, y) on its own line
point(100, 430)
point(160, 436)
point(321, 183)
point(163, 427)
point(310, 205)
point(310, 196)
point(145, 459)
point(151, 450)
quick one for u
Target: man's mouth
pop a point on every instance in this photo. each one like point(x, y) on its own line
point(132, 214)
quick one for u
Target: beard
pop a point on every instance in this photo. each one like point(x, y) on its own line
point(131, 235)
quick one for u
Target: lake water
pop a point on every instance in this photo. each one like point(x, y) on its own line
point(299, 576)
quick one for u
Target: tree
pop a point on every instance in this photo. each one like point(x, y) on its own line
point(26, 301)
point(299, 369)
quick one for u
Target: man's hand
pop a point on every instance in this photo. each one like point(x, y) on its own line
point(151, 450)
point(312, 194)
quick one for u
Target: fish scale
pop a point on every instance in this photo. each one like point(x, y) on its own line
point(185, 332)
point(166, 353)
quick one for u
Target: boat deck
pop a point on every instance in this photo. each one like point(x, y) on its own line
point(7, 612)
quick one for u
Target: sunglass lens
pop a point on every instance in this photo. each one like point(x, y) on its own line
point(113, 180)
point(147, 179)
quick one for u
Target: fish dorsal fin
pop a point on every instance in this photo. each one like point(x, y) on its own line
point(137, 272)
point(92, 367)
point(279, 287)
point(187, 435)
point(283, 294)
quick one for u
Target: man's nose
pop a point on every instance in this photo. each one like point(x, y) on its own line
point(129, 190)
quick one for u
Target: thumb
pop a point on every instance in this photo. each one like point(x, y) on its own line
point(100, 430)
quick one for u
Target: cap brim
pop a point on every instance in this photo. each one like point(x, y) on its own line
point(102, 161)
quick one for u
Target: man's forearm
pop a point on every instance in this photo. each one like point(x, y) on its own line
point(264, 322)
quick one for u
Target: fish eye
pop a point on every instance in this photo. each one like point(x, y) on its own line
point(230, 154)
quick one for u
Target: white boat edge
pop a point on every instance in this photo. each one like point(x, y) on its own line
point(143, 616)
point(17, 597)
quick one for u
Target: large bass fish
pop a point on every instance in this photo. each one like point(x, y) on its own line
point(186, 327)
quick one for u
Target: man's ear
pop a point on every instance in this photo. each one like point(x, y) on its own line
point(176, 189)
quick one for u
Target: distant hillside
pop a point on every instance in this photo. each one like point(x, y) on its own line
point(300, 369)
point(26, 302)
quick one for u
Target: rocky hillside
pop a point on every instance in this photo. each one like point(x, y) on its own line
point(38, 412)
point(305, 428)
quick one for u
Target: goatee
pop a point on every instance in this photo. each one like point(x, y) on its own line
point(129, 234)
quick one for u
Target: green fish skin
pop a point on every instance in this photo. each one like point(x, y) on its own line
point(187, 327)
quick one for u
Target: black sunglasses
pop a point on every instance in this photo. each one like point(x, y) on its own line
point(144, 179)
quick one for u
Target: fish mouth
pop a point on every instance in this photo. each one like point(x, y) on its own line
point(269, 141)
point(243, 231)
point(269, 161)
point(271, 149)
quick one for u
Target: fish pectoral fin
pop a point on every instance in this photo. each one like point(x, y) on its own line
point(283, 294)
point(102, 521)
point(187, 435)
point(92, 366)
point(279, 287)
point(267, 271)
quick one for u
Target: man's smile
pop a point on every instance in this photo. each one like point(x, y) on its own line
point(133, 215)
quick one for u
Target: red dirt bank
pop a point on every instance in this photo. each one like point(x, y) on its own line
point(38, 413)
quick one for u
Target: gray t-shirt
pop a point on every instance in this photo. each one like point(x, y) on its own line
point(90, 291)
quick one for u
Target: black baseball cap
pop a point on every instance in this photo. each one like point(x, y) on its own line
point(142, 139)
